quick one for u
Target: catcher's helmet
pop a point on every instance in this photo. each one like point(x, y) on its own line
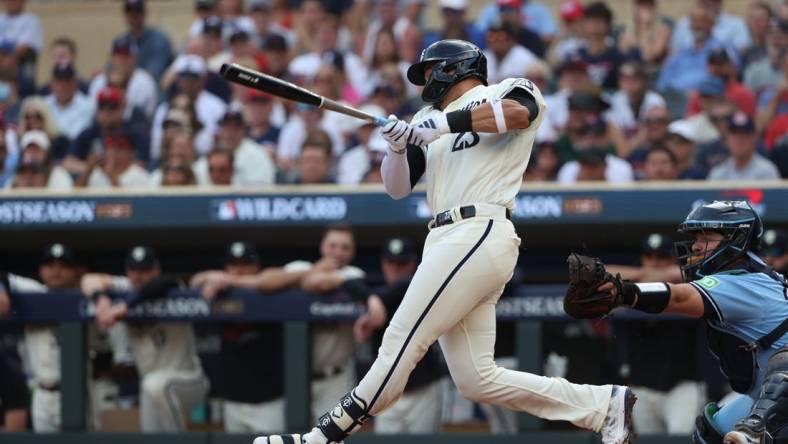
point(736, 220)
point(453, 60)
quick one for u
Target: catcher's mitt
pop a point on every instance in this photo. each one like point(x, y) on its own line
point(583, 300)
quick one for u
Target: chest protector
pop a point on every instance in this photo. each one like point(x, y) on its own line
point(737, 356)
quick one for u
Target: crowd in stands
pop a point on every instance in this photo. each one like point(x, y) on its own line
point(701, 97)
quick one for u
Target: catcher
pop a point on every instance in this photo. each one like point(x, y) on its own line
point(742, 300)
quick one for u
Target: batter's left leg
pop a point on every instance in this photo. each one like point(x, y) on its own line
point(468, 349)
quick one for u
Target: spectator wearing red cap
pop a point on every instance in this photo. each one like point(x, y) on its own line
point(257, 113)
point(155, 51)
point(72, 110)
point(649, 38)
point(721, 63)
point(744, 162)
point(122, 72)
point(569, 39)
point(506, 58)
point(114, 167)
point(36, 168)
point(534, 15)
point(109, 121)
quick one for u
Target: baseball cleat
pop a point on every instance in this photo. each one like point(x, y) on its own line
point(279, 439)
point(617, 428)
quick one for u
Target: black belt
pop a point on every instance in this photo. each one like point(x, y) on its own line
point(333, 371)
point(444, 217)
point(49, 387)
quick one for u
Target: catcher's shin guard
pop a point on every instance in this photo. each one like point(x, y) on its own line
point(706, 431)
point(769, 414)
point(344, 419)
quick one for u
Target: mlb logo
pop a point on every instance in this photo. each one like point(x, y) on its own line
point(226, 210)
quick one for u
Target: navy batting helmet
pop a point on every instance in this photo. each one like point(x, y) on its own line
point(735, 220)
point(453, 60)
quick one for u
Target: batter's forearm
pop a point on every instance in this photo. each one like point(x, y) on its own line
point(396, 175)
point(515, 115)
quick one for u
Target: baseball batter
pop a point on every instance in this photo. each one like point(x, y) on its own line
point(472, 145)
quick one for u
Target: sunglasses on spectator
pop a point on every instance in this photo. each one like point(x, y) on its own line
point(110, 106)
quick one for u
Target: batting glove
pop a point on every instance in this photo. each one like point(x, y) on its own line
point(396, 132)
point(428, 130)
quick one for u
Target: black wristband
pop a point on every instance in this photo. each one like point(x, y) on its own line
point(629, 293)
point(652, 297)
point(460, 121)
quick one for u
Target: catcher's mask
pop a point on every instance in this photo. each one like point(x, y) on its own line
point(452, 61)
point(740, 227)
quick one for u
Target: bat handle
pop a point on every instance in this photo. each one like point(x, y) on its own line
point(381, 121)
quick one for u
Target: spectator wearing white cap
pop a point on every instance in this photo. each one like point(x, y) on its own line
point(354, 164)
point(681, 142)
point(190, 72)
point(36, 168)
point(122, 72)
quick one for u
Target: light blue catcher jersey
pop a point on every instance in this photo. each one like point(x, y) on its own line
point(749, 305)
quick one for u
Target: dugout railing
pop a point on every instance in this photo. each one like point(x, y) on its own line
point(528, 308)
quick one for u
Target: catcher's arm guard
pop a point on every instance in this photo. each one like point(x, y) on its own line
point(583, 299)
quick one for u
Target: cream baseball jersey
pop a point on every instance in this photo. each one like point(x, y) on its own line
point(160, 345)
point(468, 168)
